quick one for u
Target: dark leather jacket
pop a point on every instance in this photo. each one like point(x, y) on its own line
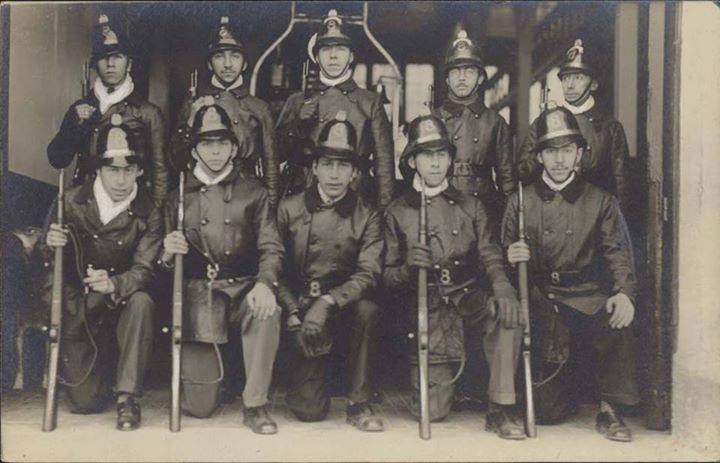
point(240, 106)
point(579, 245)
point(365, 112)
point(338, 246)
point(142, 117)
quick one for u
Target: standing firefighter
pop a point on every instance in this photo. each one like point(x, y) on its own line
point(583, 285)
point(226, 60)
point(113, 239)
point(233, 257)
point(334, 245)
point(483, 144)
point(305, 115)
point(462, 259)
point(112, 93)
point(603, 162)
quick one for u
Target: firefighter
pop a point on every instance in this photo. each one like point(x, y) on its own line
point(233, 257)
point(604, 161)
point(583, 284)
point(462, 258)
point(334, 243)
point(112, 93)
point(114, 232)
point(227, 61)
point(305, 114)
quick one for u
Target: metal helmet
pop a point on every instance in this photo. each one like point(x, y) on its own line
point(331, 34)
point(463, 52)
point(426, 133)
point(557, 127)
point(116, 141)
point(107, 39)
point(225, 37)
point(576, 61)
point(337, 140)
point(212, 121)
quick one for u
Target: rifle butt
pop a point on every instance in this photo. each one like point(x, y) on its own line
point(50, 415)
point(176, 344)
point(530, 428)
point(423, 355)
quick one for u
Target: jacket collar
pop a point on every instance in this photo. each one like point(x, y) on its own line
point(142, 205)
point(344, 207)
point(347, 86)
point(570, 193)
point(192, 183)
point(412, 197)
point(239, 92)
point(134, 99)
point(476, 107)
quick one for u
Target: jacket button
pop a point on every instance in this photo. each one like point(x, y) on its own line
point(236, 122)
point(227, 221)
point(46, 264)
point(546, 232)
point(344, 92)
point(204, 221)
point(96, 130)
point(457, 262)
point(227, 252)
point(322, 92)
point(206, 254)
point(290, 134)
point(203, 189)
point(455, 232)
point(475, 140)
point(179, 130)
point(130, 213)
point(456, 137)
point(95, 237)
point(451, 202)
point(119, 243)
point(477, 116)
point(436, 266)
point(217, 97)
point(551, 296)
point(112, 269)
point(465, 290)
point(568, 232)
point(476, 194)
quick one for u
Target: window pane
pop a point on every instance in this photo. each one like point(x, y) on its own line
point(418, 78)
point(360, 75)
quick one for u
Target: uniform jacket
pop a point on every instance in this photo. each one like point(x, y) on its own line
point(483, 142)
point(580, 253)
point(339, 247)
point(461, 241)
point(364, 111)
point(603, 165)
point(240, 106)
point(142, 117)
point(229, 225)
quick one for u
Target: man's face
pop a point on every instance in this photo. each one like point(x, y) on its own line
point(118, 179)
point(334, 60)
point(227, 65)
point(463, 80)
point(560, 162)
point(113, 69)
point(432, 166)
point(575, 86)
point(334, 175)
point(214, 153)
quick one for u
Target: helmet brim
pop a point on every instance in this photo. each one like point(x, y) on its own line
point(559, 142)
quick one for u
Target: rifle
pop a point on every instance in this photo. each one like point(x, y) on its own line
point(84, 93)
point(431, 97)
point(530, 429)
point(193, 83)
point(422, 334)
point(177, 318)
point(50, 416)
point(305, 74)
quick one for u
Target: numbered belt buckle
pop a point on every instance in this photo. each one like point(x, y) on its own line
point(212, 271)
point(555, 277)
point(315, 289)
point(445, 276)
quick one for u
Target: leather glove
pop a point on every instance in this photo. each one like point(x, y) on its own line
point(419, 255)
point(313, 327)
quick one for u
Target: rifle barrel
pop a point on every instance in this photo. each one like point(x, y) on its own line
point(177, 318)
point(530, 428)
point(422, 334)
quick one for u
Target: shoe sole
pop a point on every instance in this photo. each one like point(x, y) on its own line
point(274, 431)
point(356, 426)
point(493, 429)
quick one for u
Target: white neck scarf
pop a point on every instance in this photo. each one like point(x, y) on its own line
point(216, 83)
point(204, 177)
point(107, 99)
point(333, 82)
point(587, 106)
point(108, 208)
point(327, 200)
point(430, 191)
point(554, 186)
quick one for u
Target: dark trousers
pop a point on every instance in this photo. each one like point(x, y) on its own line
point(308, 395)
point(612, 353)
point(122, 337)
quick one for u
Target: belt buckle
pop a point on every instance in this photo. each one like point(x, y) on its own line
point(315, 289)
point(212, 271)
point(555, 277)
point(445, 276)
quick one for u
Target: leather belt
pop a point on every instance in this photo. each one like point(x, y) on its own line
point(449, 276)
point(570, 278)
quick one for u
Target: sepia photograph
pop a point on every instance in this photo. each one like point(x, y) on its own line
point(362, 231)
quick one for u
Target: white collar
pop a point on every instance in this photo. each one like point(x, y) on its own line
point(327, 200)
point(554, 186)
point(107, 99)
point(333, 82)
point(587, 106)
point(108, 208)
point(216, 83)
point(203, 176)
point(429, 191)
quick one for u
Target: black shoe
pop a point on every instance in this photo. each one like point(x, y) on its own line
point(612, 426)
point(258, 419)
point(501, 422)
point(361, 416)
point(128, 415)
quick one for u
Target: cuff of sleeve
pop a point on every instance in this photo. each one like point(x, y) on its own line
point(166, 265)
point(503, 289)
point(117, 283)
point(269, 282)
point(340, 296)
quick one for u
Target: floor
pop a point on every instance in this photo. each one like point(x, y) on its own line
point(223, 438)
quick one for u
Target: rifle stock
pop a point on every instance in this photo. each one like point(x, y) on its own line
point(177, 318)
point(422, 329)
point(54, 331)
point(530, 428)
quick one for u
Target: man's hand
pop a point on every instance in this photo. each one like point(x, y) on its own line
point(309, 109)
point(313, 326)
point(262, 301)
point(84, 111)
point(518, 252)
point(197, 105)
point(622, 310)
point(507, 307)
point(419, 255)
point(99, 281)
point(174, 243)
point(56, 236)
